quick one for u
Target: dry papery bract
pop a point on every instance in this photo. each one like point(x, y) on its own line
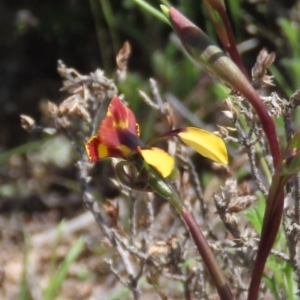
point(122, 61)
point(259, 71)
point(234, 199)
point(88, 92)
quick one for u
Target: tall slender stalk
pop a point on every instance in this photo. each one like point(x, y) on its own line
point(207, 255)
point(164, 188)
point(205, 51)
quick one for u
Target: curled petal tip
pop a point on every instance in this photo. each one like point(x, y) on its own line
point(178, 18)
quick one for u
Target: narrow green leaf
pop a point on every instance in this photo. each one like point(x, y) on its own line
point(271, 284)
point(25, 293)
point(19, 150)
point(255, 213)
point(150, 9)
point(58, 278)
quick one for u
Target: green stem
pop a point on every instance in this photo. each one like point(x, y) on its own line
point(110, 20)
point(101, 38)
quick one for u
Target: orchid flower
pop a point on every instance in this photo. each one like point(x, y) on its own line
point(118, 136)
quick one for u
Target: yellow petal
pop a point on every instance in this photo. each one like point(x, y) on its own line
point(205, 143)
point(159, 160)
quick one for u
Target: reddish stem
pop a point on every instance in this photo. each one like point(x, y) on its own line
point(206, 52)
point(229, 40)
point(207, 256)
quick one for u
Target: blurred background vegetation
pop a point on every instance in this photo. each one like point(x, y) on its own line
point(37, 175)
point(87, 35)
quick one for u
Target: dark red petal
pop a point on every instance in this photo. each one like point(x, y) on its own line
point(119, 127)
point(92, 148)
point(97, 150)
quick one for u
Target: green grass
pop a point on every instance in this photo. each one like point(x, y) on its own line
point(282, 278)
point(57, 278)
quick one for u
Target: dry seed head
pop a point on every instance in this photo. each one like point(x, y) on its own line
point(27, 122)
point(49, 130)
point(228, 114)
point(230, 107)
point(173, 243)
point(222, 131)
point(236, 198)
point(158, 248)
point(228, 103)
point(294, 230)
point(241, 203)
point(165, 250)
point(231, 220)
point(52, 108)
point(65, 72)
point(64, 122)
point(232, 129)
point(112, 212)
point(67, 106)
point(74, 105)
point(72, 87)
point(94, 87)
point(259, 77)
point(277, 106)
point(231, 224)
point(265, 59)
point(295, 99)
point(168, 113)
point(123, 56)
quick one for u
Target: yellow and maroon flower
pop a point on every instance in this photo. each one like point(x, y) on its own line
point(118, 136)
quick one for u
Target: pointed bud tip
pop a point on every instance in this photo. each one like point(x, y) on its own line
point(179, 20)
point(165, 10)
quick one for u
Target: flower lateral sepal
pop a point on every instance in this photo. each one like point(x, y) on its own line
point(202, 141)
point(92, 148)
point(205, 143)
point(96, 150)
point(160, 160)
